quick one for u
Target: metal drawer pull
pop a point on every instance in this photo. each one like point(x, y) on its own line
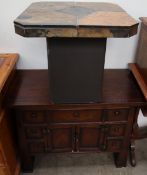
point(46, 131)
point(33, 115)
point(76, 114)
point(116, 112)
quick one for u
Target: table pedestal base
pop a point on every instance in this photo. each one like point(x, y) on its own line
point(76, 68)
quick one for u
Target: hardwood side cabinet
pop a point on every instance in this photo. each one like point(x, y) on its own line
point(9, 163)
point(45, 127)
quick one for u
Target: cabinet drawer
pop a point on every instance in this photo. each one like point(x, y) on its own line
point(2, 162)
point(114, 145)
point(75, 116)
point(116, 115)
point(35, 132)
point(116, 130)
point(33, 116)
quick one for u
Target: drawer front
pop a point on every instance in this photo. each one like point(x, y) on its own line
point(116, 130)
point(35, 132)
point(33, 117)
point(114, 145)
point(75, 116)
point(2, 162)
point(116, 115)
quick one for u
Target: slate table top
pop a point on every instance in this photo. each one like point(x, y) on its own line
point(75, 19)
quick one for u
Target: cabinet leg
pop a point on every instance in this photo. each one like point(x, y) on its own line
point(121, 159)
point(132, 154)
point(27, 163)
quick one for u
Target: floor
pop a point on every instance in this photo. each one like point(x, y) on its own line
point(89, 164)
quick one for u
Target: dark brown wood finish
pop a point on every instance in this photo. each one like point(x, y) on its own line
point(45, 127)
point(32, 90)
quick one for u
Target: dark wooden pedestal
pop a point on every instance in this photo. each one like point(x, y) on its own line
point(76, 67)
point(45, 127)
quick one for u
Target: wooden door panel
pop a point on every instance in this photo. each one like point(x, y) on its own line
point(88, 138)
point(61, 138)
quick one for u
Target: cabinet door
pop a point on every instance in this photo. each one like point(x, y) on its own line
point(61, 138)
point(88, 137)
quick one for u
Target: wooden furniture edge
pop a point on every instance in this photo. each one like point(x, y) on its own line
point(143, 19)
point(7, 67)
point(140, 80)
point(18, 165)
point(18, 169)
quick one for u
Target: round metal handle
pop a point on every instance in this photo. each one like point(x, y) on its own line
point(48, 131)
point(44, 131)
point(76, 114)
point(33, 115)
point(116, 112)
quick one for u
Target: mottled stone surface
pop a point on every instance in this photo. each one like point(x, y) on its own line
point(75, 19)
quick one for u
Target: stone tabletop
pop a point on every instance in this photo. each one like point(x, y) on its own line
point(75, 19)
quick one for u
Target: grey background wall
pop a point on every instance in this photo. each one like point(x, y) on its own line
point(33, 50)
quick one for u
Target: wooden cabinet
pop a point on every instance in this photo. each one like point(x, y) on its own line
point(45, 127)
point(9, 164)
point(76, 130)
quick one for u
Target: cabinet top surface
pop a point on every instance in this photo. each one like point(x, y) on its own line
point(31, 89)
point(72, 17)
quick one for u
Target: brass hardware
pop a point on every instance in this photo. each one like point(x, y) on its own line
point(44, 130)
point(116, 112)
point(48, 131)
point(76, 114)
point(33, 115)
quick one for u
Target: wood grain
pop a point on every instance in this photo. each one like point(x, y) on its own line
point(31, 88)
point(9, 61)
point(139, 78)
point(11, 164)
